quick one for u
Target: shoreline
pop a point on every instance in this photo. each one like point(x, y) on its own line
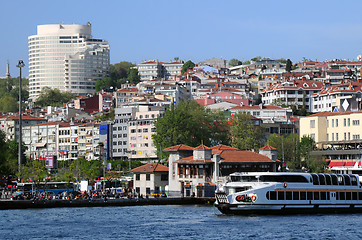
point(25, 204)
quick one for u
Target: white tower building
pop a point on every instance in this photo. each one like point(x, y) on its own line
point(66, 57)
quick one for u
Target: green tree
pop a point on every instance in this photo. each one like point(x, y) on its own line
point(105, 83)
point(246, 62)
point(34, 171)
point(188, 65)
point(8, 104)
point(305, 146)
point(133, 76)
point(255, 59)
point(245, 135)
point(191, 124)
point(287, 149)
point(84, 169)
point(288, 65)
point(53, 97)
point(235, 62)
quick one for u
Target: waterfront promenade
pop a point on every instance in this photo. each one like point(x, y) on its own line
point(23, 204)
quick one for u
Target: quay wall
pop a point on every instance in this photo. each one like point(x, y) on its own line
point(23, 204)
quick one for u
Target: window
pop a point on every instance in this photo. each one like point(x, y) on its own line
point(349, 122)
point(164, 177)
point(281, 196)
point(137, 177)
point(273, 195)
point(148, 190)
point(336, 122)
point(312, 123)
point(148, 177)
point(303, 195)
point(344, 122)
point(295, 195)
point(333, 122)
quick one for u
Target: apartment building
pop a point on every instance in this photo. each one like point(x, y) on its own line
point(332, 128)
point(154, 69)
point(125, 96)
point(338, 139)
point(141, 129)
point(41, 140)
point(296, 92)
point(267, 113)
point(10, 124)
point(67, 57)
point(123, 115)
point(345, 97)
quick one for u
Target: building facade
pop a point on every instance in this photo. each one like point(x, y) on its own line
point(65, 56)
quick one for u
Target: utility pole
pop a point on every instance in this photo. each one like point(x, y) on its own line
point(20, 65)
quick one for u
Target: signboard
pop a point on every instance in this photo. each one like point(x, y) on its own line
point(49, 163)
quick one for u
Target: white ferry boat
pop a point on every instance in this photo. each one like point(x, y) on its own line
point(289, 193)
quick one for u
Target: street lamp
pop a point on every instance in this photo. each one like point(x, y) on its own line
point(20, 65)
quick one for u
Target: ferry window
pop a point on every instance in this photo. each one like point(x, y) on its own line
point(340, 179)
point(316, 195)
point(283, 178)
point(267, 195)
point(295, 195)
point(273, 195)
point(347, 180)
point(328, 196)
point(354, 196)
point(281, 196)
point(315, 179)
point(342, 196)
point(289, 195)
point(334, 179)
point(337, 195)
point(235, 178)
point(348, 196)
point(303, 195)
point(309, 195)
point(322, 180)
point(328, 179)
point(360, 195)
point(323, 196)
point(354, 180)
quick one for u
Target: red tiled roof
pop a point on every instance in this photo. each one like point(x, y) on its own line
point(244, 156)
point(202, 147)
point(25, 117)
point(326, 114)
point(296, 84)
point(128, 90)
point(150, 168)
point(51, 123)
point(268, 147)
point(223, 147)
point(190, 159)
point(180, 147)
point(344, 87)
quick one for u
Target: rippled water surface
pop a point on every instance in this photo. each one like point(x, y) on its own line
point(171, 222)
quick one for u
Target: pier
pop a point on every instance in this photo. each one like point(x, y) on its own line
point(57, 203)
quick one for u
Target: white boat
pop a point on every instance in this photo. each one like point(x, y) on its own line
point(289, 193)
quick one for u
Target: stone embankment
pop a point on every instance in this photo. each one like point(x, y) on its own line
point(23, 204)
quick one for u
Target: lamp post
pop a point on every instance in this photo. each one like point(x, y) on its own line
point(20, 65)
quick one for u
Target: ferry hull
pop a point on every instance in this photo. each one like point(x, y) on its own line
point(286, 210)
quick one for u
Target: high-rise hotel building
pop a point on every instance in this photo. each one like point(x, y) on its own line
point(65, 56)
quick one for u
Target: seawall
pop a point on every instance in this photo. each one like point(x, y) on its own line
point(23, 204)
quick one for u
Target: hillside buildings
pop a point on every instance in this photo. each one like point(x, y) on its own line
point(67, 57)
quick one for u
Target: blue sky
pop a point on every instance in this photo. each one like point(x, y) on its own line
point(196, 30)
